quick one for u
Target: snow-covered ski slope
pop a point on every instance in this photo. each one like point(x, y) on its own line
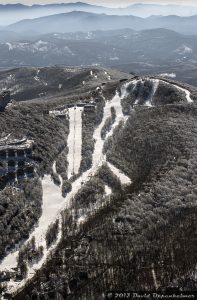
point(74, 140)
point(53, 202)
point(155, 84)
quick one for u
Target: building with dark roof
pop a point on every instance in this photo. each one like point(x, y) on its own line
point(4, 99)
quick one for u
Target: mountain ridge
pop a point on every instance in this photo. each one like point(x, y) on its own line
point(88, 21)
point(10, 13)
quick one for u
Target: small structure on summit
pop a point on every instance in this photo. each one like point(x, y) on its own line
point(4, 99)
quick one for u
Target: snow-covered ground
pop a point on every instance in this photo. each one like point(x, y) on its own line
point(123, 178)
point(155, 86)
point(74, 140)
point(187, 93)
point(52, 203)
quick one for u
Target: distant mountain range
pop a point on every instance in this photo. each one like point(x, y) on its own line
point(101, 47)
point(133, 51)
point(84, 21)
point(11, 13)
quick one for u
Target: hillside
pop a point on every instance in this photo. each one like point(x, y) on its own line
point(28, 115)
point(50, 83)
point(118, 181)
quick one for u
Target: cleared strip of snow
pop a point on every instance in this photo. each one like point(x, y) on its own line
point(52, 203)
point(155, 86)
point(14, 286)
point(124, 91)
point(123, 178)
point(55, 172)
point(155, 83)
point(74, 140)
point(115, 102)
point(187, 92)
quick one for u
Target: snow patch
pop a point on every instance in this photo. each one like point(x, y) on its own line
point(10, 46)
point(114, 58)
point(108, 190)
point(168, 75)
point(184, 49)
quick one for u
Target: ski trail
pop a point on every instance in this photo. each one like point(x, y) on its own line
point(74, 140)
point(52, 202)
point(155, 86)
point(154, 89)
point(123, 178)
point(187, 92)
point(55, 172)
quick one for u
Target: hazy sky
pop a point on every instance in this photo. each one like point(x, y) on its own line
point(114, 3)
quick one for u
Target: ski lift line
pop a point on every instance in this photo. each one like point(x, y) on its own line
point(74, 141)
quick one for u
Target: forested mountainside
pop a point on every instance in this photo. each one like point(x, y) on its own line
point(126, 220)
point(28, 115)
